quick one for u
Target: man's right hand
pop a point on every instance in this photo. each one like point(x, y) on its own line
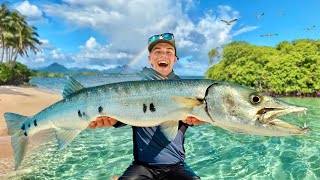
point(102, 121)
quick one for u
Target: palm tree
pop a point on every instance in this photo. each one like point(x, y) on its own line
point(27, 43)
point(17, 38)
point(4, 18)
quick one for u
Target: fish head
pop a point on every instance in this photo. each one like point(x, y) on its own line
point(243, 110)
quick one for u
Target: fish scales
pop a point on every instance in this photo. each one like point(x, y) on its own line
point(230, 106)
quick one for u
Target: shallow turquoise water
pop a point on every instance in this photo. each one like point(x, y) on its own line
point(211, 152)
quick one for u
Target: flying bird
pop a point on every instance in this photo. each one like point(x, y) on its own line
point(260, 15)
point(229, 22)
point(309, 28)
point(210, 11)
point(268, 35)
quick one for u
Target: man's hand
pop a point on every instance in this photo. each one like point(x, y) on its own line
point(193, 121)
point(102, 121)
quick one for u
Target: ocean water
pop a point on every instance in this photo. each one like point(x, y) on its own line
point(211, 152)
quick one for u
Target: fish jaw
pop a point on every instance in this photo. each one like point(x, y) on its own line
point(230, 107)
point(268, 118)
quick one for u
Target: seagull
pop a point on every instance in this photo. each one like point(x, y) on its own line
point(268, 35)
point(309, 28)
point(260, 15)
point(229, 22)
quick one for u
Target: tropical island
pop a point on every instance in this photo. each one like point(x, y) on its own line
point(288, 69)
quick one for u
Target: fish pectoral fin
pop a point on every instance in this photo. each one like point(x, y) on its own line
point(187, 102)
point(66, 136)
point(169, 129)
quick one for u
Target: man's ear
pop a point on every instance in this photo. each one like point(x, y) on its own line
point(149, 59)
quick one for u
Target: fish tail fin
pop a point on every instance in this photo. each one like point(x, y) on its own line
point(18, 139)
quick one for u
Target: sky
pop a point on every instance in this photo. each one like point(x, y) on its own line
point(102, 34)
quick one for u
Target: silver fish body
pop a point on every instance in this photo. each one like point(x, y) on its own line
point(150, 103)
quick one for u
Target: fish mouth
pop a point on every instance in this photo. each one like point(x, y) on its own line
point(268, 116)
point(163, 64)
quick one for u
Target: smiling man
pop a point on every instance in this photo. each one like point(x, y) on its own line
point(155, 157)
point(162, 55)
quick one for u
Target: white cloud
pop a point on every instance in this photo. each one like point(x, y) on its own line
point(93, 53)
point(244, 30)
point(128, 24)
point(56, 54)
point(32, 12)
point(91, 44)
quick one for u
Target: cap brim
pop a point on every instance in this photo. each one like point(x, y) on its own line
point(160, 41)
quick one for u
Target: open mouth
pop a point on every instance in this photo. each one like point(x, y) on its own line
point(163, 64)
point(269, 116)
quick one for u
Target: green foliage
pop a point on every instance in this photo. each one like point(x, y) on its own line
point(211, 55)
point(17, 38)
point(288, 69)
point(13, 74)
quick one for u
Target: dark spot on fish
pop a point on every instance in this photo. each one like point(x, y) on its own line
point(200, 99)
point(29, 125)
point(79, 113)
point(152, 108)
point(25, 133)
point(35, 122)
point(100, 109)
point(83, 113)
point(144, 108)
point(23, 127)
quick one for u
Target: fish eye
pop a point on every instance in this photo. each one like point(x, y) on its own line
point(255, 98)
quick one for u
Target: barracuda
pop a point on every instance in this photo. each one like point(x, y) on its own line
point(150, 103)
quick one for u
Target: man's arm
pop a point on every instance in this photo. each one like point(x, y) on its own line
point(105, 121)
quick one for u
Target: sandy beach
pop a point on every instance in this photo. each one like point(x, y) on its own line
point(21, 100)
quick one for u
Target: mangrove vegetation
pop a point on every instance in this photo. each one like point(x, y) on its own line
point(288, 69)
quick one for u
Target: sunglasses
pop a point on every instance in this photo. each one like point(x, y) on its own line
point(166, 36)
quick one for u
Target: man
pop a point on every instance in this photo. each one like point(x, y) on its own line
point(155, 157)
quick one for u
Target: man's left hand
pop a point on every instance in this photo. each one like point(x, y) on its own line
point(193, 121)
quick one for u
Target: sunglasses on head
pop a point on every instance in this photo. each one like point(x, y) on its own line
point(166, 36)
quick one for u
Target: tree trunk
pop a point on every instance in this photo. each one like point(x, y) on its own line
point(11, 54)
point(15, 55)
point(7, 55)
point(2, 53)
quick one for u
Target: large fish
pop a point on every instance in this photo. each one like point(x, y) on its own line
point(150, 103)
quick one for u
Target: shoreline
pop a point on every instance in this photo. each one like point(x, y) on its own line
point(25, 100)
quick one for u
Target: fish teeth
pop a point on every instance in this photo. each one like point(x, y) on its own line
point(299, 114)
point(305, 126)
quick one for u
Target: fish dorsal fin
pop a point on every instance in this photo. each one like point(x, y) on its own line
point(169, 129)
point(71, 87)
point(66, 136)
point(150, 74)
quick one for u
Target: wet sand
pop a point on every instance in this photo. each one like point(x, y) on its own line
point(21, 100)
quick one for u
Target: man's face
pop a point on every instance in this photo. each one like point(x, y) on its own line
point(162, 58)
